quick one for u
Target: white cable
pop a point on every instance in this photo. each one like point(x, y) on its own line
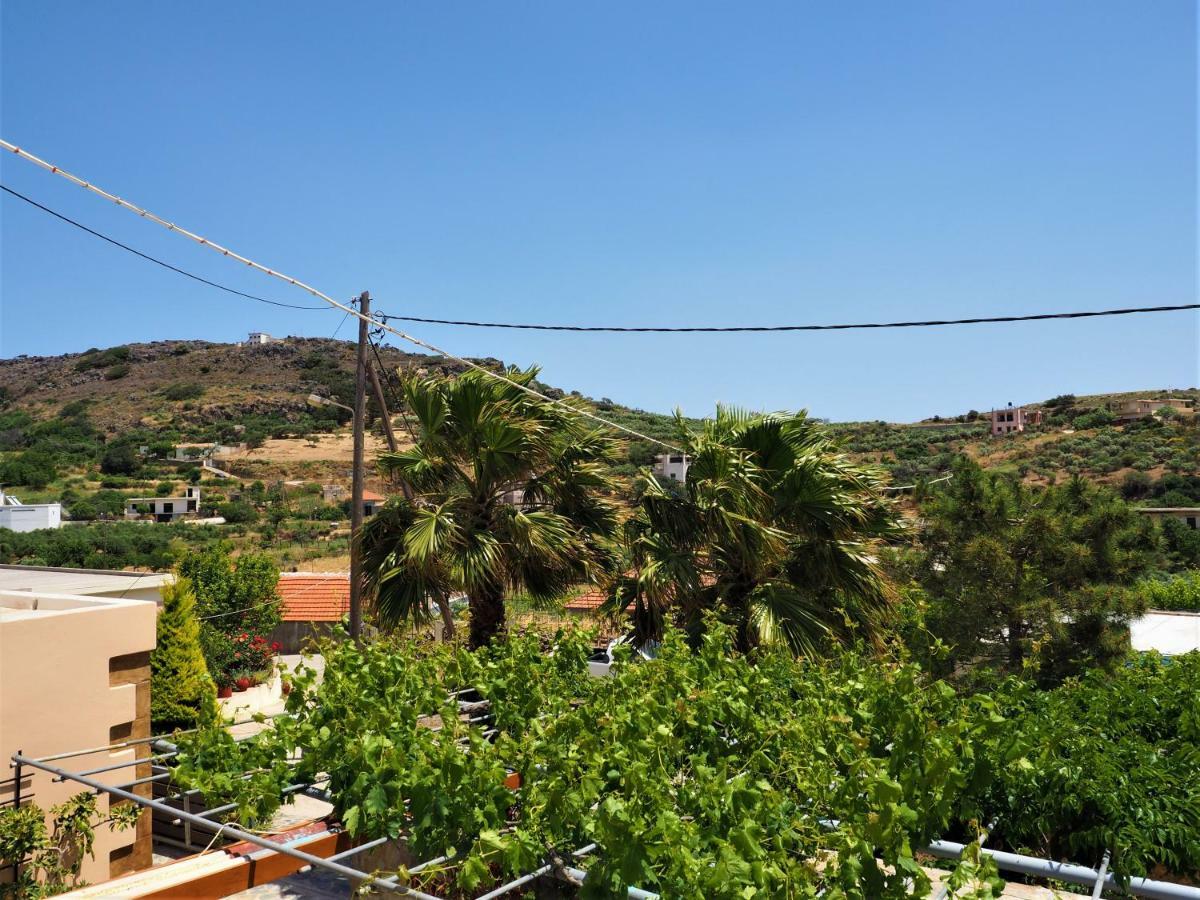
point(225, 251)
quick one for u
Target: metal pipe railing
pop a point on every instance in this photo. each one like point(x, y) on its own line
point(220, 829)
point(1072, 873)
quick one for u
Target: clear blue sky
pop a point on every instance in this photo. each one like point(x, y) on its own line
point(632, 163)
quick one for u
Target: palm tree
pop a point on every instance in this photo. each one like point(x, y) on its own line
point(772, 531)
point(508, 496)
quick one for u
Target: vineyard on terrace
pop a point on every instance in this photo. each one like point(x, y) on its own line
point(704, 773)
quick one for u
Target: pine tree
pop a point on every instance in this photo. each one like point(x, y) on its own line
point(180, 686)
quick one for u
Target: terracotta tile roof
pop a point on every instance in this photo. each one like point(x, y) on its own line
point(371, 495)
point(314, 597)
point(589, 601)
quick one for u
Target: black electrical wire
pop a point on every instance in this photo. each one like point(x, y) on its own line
point(759, 328)
point(146, 256)
point(687, 329)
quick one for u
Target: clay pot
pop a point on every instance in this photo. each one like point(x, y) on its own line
point(243, 683)
point(225, 691)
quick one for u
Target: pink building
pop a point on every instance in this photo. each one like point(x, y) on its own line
point(1013, 419)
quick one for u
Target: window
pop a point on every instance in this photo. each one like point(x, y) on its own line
point(1191, 520)
point(168, 507)
point(191, 506)
point(676, 459)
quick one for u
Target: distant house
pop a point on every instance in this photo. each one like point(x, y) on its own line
point(1189, 515)
point(672, 465)
point(372, 502)
point(258, 338)
point(333, 493)
point(1129, 410)
point(165, 509)
point(312, 603)
point(1014, 419)
point(18, 516)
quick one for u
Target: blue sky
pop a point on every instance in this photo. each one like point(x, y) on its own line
point(629, 163)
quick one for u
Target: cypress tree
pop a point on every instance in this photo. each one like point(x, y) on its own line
point(180, 687)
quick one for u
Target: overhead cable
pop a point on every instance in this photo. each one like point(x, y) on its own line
point(225, 251)
point(726, 329)
point(147, 256)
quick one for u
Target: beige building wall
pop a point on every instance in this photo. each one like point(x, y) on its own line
point(75, 674)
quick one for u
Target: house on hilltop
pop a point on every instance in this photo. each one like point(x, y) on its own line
point(1129, 410)
point(1013, 419)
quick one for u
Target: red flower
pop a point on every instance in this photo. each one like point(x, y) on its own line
point(276, 646)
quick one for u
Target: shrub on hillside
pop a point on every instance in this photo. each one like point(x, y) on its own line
point(114, 372)
point(1096, 418)
point(181, 691)
point(183, 390)
point(120, 459)
point(238, 512)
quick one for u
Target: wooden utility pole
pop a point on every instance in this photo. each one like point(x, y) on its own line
point(388, 432)
point(356, 491)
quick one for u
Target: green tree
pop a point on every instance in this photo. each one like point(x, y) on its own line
point(1018, 574)
point(479, 438)
point(774, 530)
point(180, 686)
point(232, 598)
point(120, 459)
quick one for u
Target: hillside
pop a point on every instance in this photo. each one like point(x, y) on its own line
point(178, 391)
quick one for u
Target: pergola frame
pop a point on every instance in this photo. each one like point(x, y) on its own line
point(1099, 880)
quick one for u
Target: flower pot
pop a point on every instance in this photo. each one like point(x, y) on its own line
point(243, 683)
point(286, 687)
point(225, 691)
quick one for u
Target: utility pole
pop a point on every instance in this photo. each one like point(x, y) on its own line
point(388, 432)
point(356, 491)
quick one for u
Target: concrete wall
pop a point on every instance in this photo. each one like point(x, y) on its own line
point(75, 674)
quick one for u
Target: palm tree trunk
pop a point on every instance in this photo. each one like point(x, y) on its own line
point(487, 616)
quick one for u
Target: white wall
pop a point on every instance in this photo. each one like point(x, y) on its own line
point(31, 517)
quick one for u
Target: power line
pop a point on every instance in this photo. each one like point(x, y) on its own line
point(725, 329)
point(225, 251)
point(619, 329)
point(147, 256)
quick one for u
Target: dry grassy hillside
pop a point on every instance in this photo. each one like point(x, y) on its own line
point(215, 383)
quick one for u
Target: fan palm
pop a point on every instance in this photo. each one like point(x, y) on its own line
point(507, 497)
point(772, 531)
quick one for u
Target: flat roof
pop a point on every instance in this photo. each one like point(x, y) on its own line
point(1170, 633)
point(81, 582)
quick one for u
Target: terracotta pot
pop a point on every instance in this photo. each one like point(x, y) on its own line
point(224, 691)
point(286, 687)
point(243, 683)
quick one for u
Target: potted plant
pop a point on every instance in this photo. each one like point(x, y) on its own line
point(224, 686)
point(242, 680)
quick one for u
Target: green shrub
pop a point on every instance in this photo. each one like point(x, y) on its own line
point(120, 459)
point(1181, 592)
point(238, 512)
point(180, 686)
point(114, 372)
point(183, 390)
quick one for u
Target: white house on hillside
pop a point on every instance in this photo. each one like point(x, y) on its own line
point(18, 516)
point(672, 465)
point(165, 509)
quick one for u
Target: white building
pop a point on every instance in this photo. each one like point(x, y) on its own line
point(257, 338)
point(165, 509)
point(672, 465)
point(18, 516)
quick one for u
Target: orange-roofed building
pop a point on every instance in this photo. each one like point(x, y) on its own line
point(311, 604)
